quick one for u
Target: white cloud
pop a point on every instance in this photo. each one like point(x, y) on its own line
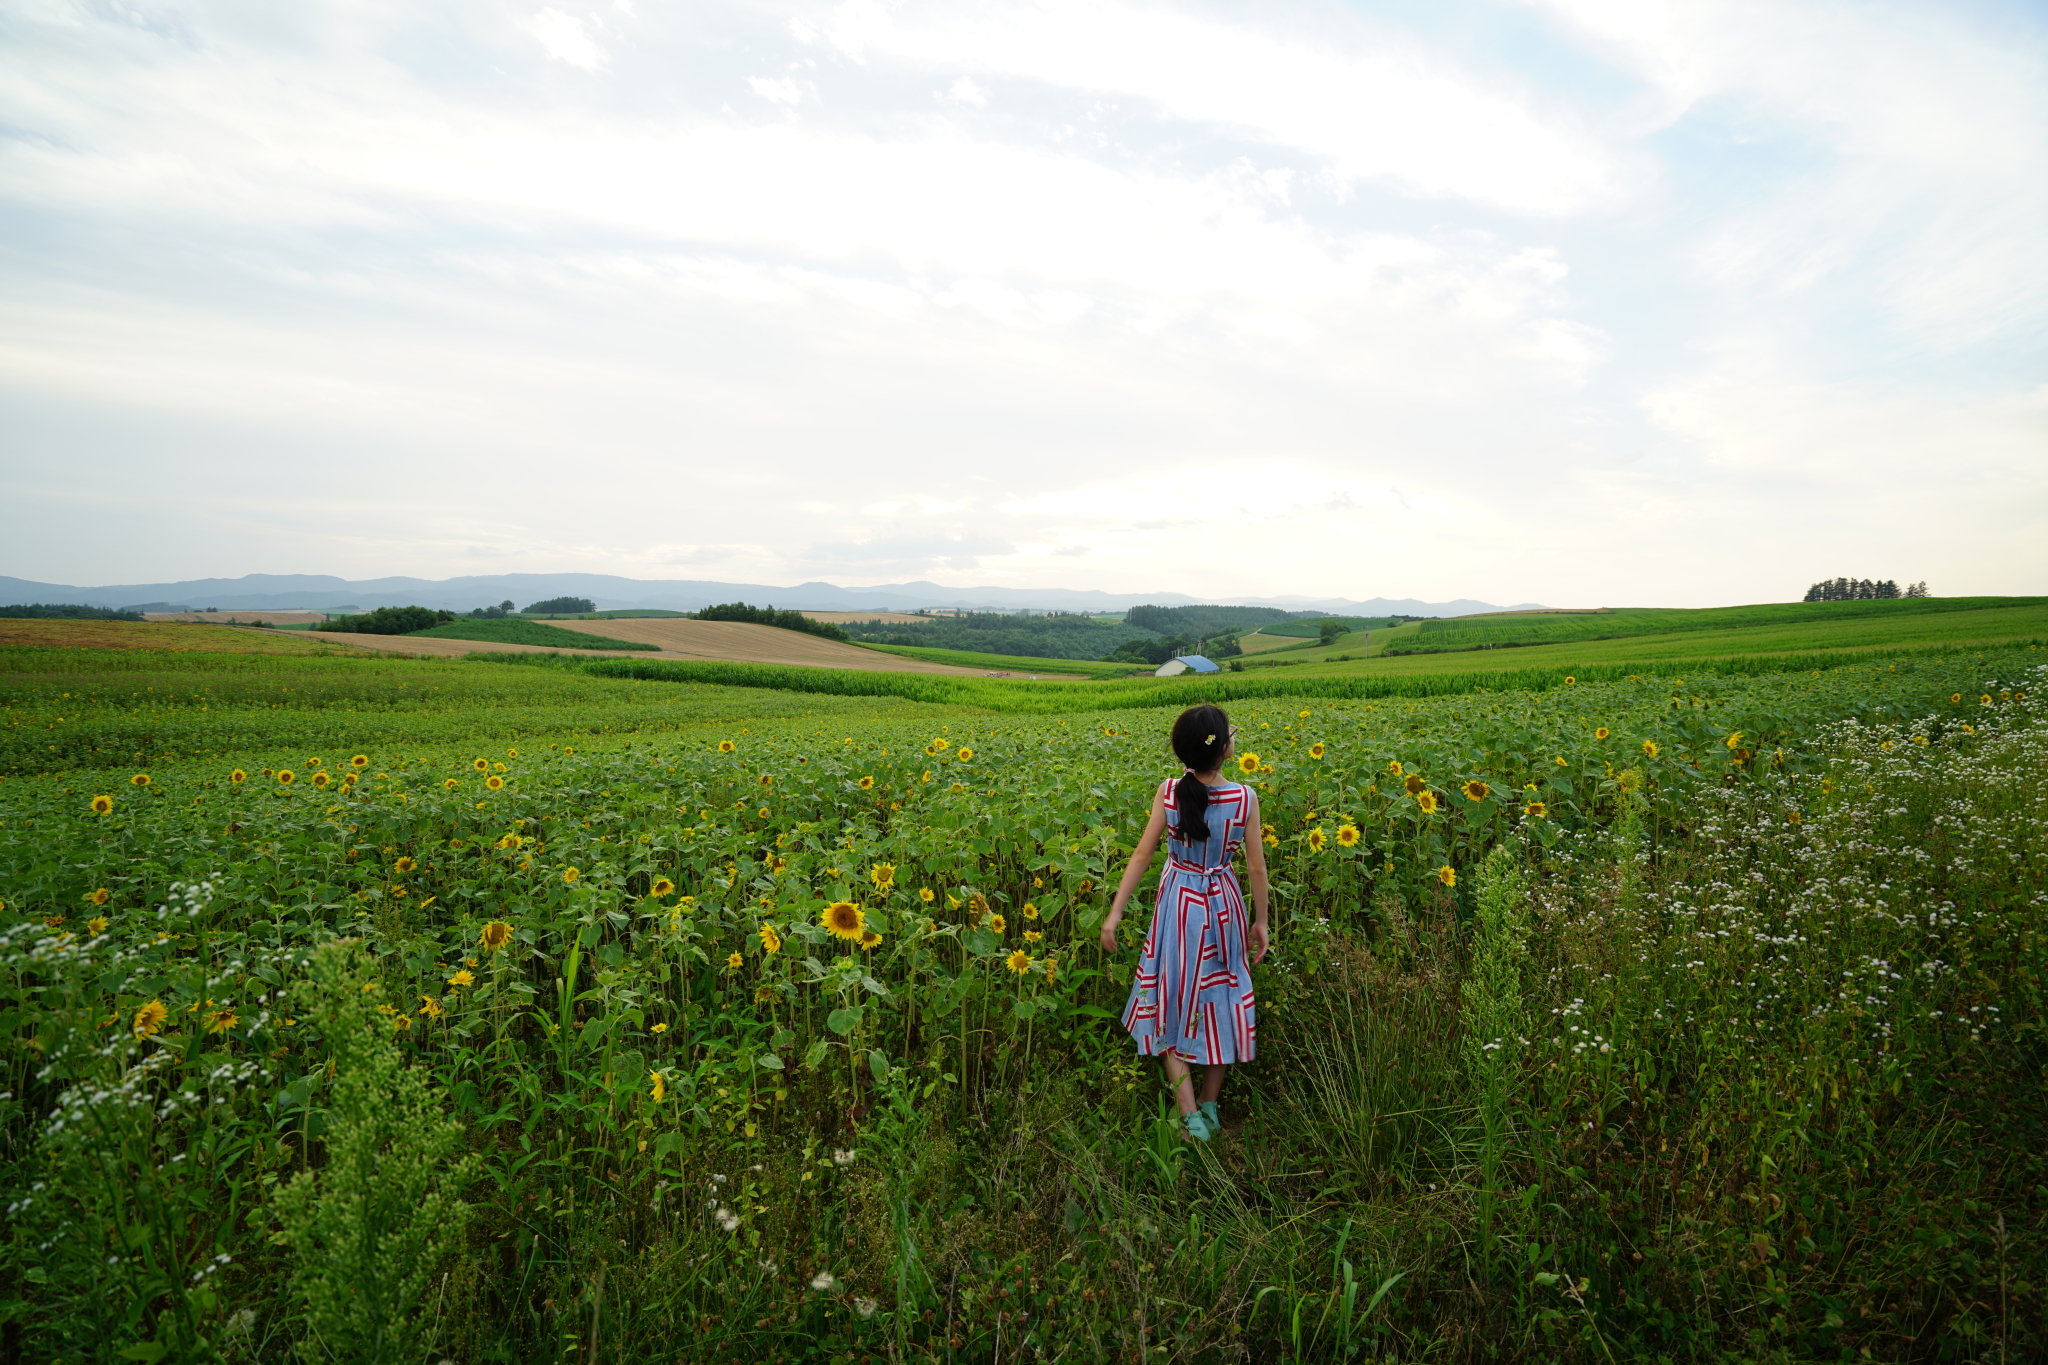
point(781, 90)
point(562, 37)
point(965, 91)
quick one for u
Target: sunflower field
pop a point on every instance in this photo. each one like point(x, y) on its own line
point(375, 1009)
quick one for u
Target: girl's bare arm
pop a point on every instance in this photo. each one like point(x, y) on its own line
point(1255, 872)
point(1141, 859)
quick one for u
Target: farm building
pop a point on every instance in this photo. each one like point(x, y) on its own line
point(1186, 663)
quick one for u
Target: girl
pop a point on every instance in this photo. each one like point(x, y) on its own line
point(1192, 1000)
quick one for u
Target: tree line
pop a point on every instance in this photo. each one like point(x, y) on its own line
point(1861, 590)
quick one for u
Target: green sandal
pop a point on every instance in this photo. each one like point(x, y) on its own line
point(1198, 1126)
point(1212, 1112)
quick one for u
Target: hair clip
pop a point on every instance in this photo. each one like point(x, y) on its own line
point(1210, 740)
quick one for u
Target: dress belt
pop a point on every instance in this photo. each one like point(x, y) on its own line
point(1199, 871)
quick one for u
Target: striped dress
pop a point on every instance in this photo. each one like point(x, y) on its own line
point(1193, 995)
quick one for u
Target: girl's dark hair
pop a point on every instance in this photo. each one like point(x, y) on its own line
point(1200, 739)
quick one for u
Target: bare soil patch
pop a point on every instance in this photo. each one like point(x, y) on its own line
point(735, 641)
point(243, 618)
point(155, 635)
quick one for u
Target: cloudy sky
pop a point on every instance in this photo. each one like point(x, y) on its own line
point(1575, 301)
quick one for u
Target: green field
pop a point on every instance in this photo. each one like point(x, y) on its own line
point(517, 631)
point(1612, 1017)
point(1012, 663)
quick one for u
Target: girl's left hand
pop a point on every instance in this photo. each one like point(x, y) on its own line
point(1261, 941)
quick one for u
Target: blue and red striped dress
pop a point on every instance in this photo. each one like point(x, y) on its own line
point(1193, 995)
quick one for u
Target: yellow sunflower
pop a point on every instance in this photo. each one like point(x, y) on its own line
point(496, 935)
point(770, 940)
point(150, 1018)
point(1315, 751)
point(221, 1020)
point(1475, 790)
point(965, 754)
point(725, 746)
point(659, 1090)
point(321, 779)
point(997, 924)
point(1414, 784)
point(926, 894)
point(662, 887)
point(1032, 936)
point(735, 962)
point(449, 783)
point(100, 897)
point(359, 761)
point(482, 765)
point(1018, 962)
point(1734, 740)
point(98, 924)
point(462, 978)
point(865, 783)
point(570, 875)
point(1395, 767)
point(1570, 681)
point(869, 939)
point(430, 1007)
point(238, 777)
point(1347, 836)
point(1649, 748)
point(1427, 801)
point(1601, 733)
point(1316, 840)
point(404, 865)
point(103, 805)
point(1249, 763)
point(142, 779)
point(1447, 874)
point(844, 920)
point(494, 782)
point(883, 875)
point(1535, 810)
point(1030, 910)
point(767, 779)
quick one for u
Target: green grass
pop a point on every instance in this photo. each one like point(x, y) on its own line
point(1535, 628)
point(513, 631)
point(1765, 1090)
point(1011, 663)
point(621, 614)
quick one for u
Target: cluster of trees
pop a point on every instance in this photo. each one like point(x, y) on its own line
point(559, 606)
point(67, 611)
point(388, 621)
point(1197, 623)
point(769, 616)
point(497, 613)
point(1860, 590)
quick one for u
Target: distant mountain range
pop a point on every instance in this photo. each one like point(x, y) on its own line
point(320, 592)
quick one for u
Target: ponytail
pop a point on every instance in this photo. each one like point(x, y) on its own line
point(1201, 737)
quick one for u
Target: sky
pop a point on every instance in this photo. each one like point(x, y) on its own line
point(1583, 302)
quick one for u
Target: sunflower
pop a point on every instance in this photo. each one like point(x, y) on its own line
point(1086, 885)
point(926, 894)
point(1249, 763)
point(1535, 810)
point(1427, 801)
point(496, 935)
point(770, 940)
point(996, 924)
point(569, 875)
point(965, 754)
point(1032, 936)
point(100, 897)
point(1447, 874)
point(450, 783)
point(403, 866)
point(1030, 910)
point(763, 994)
point(1347, 836)
point(1649, 748)
point(735, 962)
point(869, 939)
point(767, 779)
point(1559, 761)
point(1316, 840)
point(658, 1028)
point(1475, 790)
point(97, 924)
point(359, 761)
point(494, 782)
point(1268, 836)
point(844, 920)
point(462, 978)
point(1052, 969)
point(866, 783)
point(321, 779)
point(1795, 818)
point(1315, 750)
point(150, 1018)
point(1628, 780)
point(1414, 784)
point(659, 1091)
point(1734, 740)
point(1568, 682)
point(142, 779)
point(1018, 962)
point(883, 875)
point(430, 1007)
point(221, 1020)
point(1394, 767)
point(1601, 733)
point(662, 887)
point(103, 805)
point(725, 746)
point(285, 777)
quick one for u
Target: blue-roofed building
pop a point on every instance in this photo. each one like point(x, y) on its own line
point(1186, 663)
